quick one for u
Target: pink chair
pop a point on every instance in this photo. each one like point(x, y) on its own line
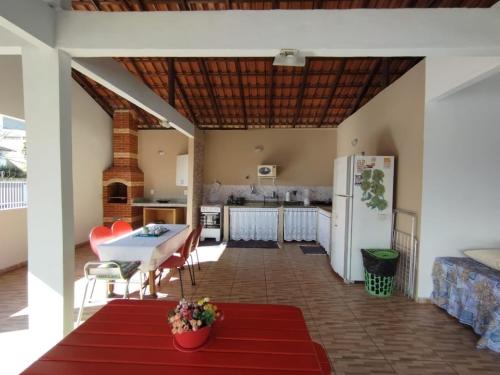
point(119, 228)
point(109, 271)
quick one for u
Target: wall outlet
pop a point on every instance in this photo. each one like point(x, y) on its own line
point(152, 191)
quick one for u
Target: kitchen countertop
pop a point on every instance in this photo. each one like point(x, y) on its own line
point(157, 204)
point(277, 205)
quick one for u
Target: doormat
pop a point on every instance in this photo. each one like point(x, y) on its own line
point(313, 250)
point(253, 244)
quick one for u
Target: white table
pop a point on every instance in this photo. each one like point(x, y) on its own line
point(150, 251)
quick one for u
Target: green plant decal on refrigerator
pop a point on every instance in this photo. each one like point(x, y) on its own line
point(373, 189)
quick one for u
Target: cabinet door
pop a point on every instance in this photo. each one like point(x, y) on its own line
point(253, 224)
point(324, 232)
point(300, 224)
point(182, 171)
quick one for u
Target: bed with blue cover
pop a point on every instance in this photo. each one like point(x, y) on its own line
point(470, 291)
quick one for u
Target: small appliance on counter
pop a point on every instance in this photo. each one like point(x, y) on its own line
point(211, 221)
point(236, 201)
point(306, 194)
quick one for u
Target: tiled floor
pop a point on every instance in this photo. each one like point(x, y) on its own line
point(362, 334)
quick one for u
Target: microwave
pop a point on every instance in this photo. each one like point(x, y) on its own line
point(266, 171)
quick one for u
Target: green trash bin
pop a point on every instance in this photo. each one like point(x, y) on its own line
point(380, 268)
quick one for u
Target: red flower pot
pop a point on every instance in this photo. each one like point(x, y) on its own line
point(193, 339)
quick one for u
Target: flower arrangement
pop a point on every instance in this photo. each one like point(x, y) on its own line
point(190, 316)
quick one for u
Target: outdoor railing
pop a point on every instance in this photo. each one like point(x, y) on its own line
point(13, 194)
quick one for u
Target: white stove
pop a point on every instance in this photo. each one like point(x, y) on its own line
point(211, 221)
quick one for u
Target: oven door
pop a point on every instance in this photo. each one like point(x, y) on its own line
point(210, 219)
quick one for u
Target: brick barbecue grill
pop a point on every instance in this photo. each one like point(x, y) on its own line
point(123, 181)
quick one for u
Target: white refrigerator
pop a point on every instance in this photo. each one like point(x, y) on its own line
point(362, 211)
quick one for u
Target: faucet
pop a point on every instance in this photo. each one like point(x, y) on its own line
point(273, 196)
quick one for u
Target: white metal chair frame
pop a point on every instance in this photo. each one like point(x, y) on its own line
point(107, 271)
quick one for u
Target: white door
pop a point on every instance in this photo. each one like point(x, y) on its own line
point(342, 175)
point(341, 228)
point(372, 208)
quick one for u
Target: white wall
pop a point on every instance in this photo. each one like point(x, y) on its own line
point(461, 183)
point(92, 154)
point(11, 94)
point(392, 123)
point(92, 135)
point(13, 241)
point(160, 170)
point(447, 75)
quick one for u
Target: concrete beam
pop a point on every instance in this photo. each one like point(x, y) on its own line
point(445, 76)
point(33, 21)
point(10, 44)
point(112, 75)
point(362, 32)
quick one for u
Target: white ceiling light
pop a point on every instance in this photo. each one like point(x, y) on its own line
point(166, 124)
point(289, 57)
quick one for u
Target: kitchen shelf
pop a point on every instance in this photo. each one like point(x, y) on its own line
point(174, 215)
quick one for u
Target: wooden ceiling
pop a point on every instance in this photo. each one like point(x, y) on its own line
point(197, 5)
point(247, 93)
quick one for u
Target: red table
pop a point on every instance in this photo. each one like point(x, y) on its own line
point(133, 337)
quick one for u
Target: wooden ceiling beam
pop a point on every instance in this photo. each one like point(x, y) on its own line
point(183, 96)
point(242, 94)
point(318, 4)
point(270, 112)
point(410, 4)
point(210, 91)
point(386, 74)
point(265, 86)
point(171, 81)
point(300, 97)
point(237, 107)
point(281, 97)
point(96, 4)
point(84, 83)
point(334, 87)
point(366, 86)
point(139, 74)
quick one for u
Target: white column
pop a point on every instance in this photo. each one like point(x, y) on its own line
point(47, 106)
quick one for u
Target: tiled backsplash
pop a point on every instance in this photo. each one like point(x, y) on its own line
point(212, 193)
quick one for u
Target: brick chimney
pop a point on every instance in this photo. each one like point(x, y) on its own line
point(123, 181)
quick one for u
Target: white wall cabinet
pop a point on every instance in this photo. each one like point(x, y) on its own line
point(324, 229)
point(182, 170)
point(300, 224)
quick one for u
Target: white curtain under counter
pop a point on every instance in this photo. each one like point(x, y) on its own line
point(253, 223)
point(300, 223)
